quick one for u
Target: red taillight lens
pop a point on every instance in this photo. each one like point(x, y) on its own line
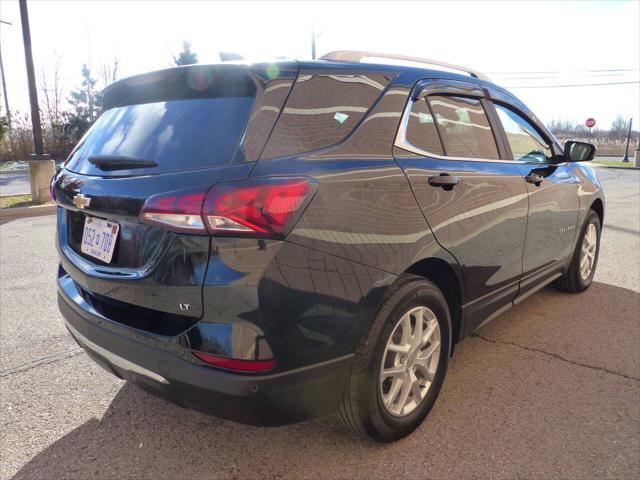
point(179, 211)
point(261, 208)
point(235, 364)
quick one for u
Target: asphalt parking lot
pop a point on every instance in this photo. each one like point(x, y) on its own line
point(14, 183)
point(550, 389)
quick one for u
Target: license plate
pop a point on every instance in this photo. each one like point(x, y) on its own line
point(99, 238)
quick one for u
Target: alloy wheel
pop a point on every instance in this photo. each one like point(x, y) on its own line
point(588, 251)
point(410, 361)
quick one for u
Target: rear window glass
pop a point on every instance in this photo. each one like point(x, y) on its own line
point(176, 134)
point(464, 127)
point(323, 109)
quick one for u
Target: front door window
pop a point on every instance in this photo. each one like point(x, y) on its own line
point(527, 145)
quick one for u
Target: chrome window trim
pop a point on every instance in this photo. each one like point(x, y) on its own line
point(402, 142)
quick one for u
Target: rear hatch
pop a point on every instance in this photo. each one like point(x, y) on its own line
point(178, 130)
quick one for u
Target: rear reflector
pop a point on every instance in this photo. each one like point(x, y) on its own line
point(265, 208)
point(235, 364)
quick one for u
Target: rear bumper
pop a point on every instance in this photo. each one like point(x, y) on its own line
point(161, 366)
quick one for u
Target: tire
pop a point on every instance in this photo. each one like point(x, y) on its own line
point(574, 280)
point(363, 409)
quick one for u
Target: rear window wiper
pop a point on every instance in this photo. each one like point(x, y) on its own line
point(120, 162)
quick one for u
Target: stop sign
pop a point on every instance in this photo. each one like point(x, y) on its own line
point(590, 122)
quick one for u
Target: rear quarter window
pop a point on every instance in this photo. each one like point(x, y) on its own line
point(421, 128)
point(177, 134)
point(322, 109)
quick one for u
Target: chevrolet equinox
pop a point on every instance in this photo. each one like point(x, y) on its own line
point(270, 242)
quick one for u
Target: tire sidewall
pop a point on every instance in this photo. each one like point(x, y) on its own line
point(390, 427)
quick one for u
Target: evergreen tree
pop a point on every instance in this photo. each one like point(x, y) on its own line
point(186, 56)
point(85, 103)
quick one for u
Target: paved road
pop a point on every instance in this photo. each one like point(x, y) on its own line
point(14, 183)
point(549, 389)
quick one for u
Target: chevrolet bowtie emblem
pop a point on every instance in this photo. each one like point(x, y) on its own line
point(81, 201)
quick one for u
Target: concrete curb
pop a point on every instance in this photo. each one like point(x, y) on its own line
point(622, 168)
point(5, 195)
point(10, 172)
point(23, 212)
point(615, 167)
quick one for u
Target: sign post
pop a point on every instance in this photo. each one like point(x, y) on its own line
point(626, 150)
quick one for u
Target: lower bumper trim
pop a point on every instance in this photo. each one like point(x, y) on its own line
point(114, 359)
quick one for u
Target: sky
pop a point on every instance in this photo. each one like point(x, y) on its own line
point(525, 46)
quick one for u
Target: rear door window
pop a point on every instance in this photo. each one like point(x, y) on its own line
point(177, 135)
point(464, 127)
point(527, 145)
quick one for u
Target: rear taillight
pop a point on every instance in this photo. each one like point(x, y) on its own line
point(259, 208)
point(180, 211)
point(236, 364)
point(52, 187)
point(265, 207)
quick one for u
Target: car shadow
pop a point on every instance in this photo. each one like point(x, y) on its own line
point(142, 436)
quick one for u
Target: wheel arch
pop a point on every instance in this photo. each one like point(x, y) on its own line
point(598, 206)
point(441, 273)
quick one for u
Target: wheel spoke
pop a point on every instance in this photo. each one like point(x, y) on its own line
point(433, 326)
point(426, 354)
point(406, 329)
point(583, 263)
point(417, 329)
point(393, 372)
point(404, 393)
point(393, 391)
point(424, 371)
point(415, 388)
point(392, 347)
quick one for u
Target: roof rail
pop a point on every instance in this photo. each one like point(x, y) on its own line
point(358, 55)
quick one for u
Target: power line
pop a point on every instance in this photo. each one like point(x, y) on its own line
point(558, 71)
point(572, 85)
point(549, 77)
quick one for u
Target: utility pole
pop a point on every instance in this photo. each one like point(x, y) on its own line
point(4, 82)
point(626, 151)
point(41, 166)
point(315, 33)
point(313, 43)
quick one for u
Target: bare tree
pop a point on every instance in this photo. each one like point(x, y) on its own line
point(51, 94)
point(619, 127)
point(109, 71)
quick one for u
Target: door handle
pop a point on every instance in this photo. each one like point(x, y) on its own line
point(534, 178)
point(444, 181)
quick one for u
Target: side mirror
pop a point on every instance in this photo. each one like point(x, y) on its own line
point(579, 151)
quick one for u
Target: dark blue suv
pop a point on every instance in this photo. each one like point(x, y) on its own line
point(271, 242)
